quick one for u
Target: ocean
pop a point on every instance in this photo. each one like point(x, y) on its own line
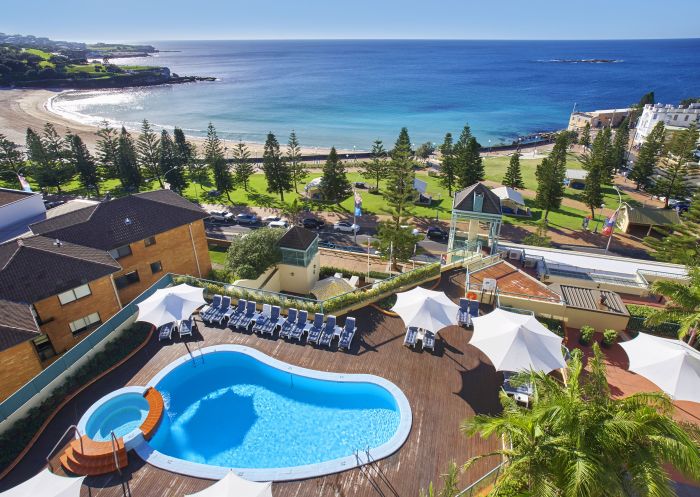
point(349, 93)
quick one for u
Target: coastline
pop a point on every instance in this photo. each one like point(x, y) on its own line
point(23, 108)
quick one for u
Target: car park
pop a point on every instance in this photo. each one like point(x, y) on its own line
point(346, 227)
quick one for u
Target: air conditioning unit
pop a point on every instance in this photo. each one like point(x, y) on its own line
point(489, 284)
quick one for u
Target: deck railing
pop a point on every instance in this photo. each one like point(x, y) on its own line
point(482, 483)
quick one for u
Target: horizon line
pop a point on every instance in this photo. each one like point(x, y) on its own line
point(417, 39)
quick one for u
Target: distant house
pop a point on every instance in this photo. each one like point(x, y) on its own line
point(597, 119)
point(576, 178)
point(512, 201)
point(640, 221)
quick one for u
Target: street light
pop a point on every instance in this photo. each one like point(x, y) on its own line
point(612, 226)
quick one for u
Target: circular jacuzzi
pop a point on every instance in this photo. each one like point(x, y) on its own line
point(122, 412)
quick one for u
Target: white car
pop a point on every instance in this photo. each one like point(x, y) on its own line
point(279, 223)
point(346, 227)
point(221, 216)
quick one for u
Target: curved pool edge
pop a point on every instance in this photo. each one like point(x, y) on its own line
point(199, 470)
point(132, 439)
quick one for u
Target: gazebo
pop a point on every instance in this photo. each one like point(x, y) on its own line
point(476, 215)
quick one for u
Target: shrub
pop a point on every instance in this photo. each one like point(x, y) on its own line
point(554, 325)
point(327, 271)
point(586, 336)
point(609, 338)
point(251, 256)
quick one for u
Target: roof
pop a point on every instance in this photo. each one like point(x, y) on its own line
point(580, 174)
point(591, 299)
point(17, 324)
point(70, 206)
point(508, 193)
point(8, 196)
point(35, 268)
point(297, 238)
point(652, 216)
point(111, 224)
point(464, 200)
point(331, 287)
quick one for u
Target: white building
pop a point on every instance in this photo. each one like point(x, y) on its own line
point(673, 117)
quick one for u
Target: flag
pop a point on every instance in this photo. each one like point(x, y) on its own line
point(358, 204)
point(24, 183)
point(609, 225)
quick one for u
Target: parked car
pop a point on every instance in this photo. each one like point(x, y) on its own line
point(221, 216)
point(247, 219)
point(346, 226)
point(361, 184)
point(280, 223)
point(312, 223)
point(269, 219)
point(435, 233)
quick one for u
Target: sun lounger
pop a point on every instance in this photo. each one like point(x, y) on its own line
point(248, 317)
point(288, 324)
point(166, 331)
point(221, 312)
point(473, 309)
point(347, 334)
point(209, 310)
point(314, 329)
point(185, 327)
point(329, 330)
point(428, 341)
point(463, 313)
point(233, 312)
point(262, 318)
point(299, 327)
point(411, 336)
point(267, 324)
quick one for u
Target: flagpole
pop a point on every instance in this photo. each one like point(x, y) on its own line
point(614, 218)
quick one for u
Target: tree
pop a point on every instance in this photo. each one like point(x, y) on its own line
point(550, 185)
point(448, 173)
point(84, 164)
point(214, 158)
point(469, 168)
point(252, 255)
point(649, 154)
point(637, 109)
point(334, 186)
point(577, 439)
point(585, 138)
point(683, 306)
point(294, 161)
point(148, 152)
point(170, 163)
point(687, 101)
point(48, 155)
point(243, 168)
point(620, 144)
point(595, 165)
point(107, 149)
point(277, 173)
point(293, 211)
point(375, 168)
point(677, 164)
point(425, 150)
point(513, 177)
point(450, 484)
point(128, 166)
point(680, 243)
point(11, 157)
point(184, 155)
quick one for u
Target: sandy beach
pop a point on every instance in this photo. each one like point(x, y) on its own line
point(20, 109)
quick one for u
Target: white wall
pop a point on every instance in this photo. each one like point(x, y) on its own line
point(668, 114)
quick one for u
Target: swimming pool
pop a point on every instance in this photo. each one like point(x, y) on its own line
point(122, 412)
point(234, 407)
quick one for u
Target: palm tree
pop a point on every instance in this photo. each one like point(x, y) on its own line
point(684, 306)
point(579, 441)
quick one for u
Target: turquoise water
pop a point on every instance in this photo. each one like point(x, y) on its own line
point(235, 411)
point(347, 93)
point(121, 415)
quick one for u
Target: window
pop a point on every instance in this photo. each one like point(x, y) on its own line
point(120, 252)
point(675, 118)
point(44, 347)
point(686, 117)
point(82, 324)
point(151, 240)
point(74, 294)
point(127, 279)
point(156, 267)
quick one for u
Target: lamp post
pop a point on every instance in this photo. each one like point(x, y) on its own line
point(612, 227)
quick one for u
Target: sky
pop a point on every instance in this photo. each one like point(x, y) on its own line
point(150, 20)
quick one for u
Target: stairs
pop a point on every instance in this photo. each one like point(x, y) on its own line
point(155, 412)
point(94, 458)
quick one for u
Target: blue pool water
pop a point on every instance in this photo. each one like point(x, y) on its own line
point(235, 411)
point(122, 414)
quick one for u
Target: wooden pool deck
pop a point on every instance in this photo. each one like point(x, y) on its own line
point(443, 388)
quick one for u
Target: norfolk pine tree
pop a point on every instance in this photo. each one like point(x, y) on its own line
point(513, 177)
point(107, 150)
point(11, 157)
point(677, 164)
point(375, 168)
point(277, 173)
point(620, 143)
point(84, 164)
point(214, 158)
point(129, 172)
point(648, 156)
point(550, 176)
point(595, 165)
point(334, 186)
point(469, 168)
point(148, 152)
point(585, 138)
point(294, 161)
point(243, 168)
point(49, 158)
point(448, 176)
point(171, 165)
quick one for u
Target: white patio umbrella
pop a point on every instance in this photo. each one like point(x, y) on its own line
point(233, 485)
point(674, 366)
point(46, 484)
point(426, 309)
point(517, 342)
point(170, 304)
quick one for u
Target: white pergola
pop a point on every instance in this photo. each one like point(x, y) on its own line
point(233, 485)
point(47, 484)
point(426, 309)
point(170, 304)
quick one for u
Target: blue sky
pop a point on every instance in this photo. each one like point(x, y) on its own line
point(134, 20)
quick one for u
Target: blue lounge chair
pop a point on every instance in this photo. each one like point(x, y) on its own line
point(347, 334)
point(300, 326)
point(166, 331)
point(248, 317)
point(287, 325)
point(234, 312)
point(473, 309)
point(186, 326)
point(221, 312)
point(209, 310)
point(267, 324)
point(463, 313)
point(428, 341)
point(411, 336)
point(262, 318)
point(329, 331)
point(314, 329)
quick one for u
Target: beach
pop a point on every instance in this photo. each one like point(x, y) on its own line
point(22, 108)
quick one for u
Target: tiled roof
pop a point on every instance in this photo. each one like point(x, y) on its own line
point(35, 268)
point(121, 221)
point(297, 238)
point(7, 196)
point(17, 324)
point(464, 199)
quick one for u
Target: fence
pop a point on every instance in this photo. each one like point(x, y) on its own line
point(636, 325)
point(36, 385)
point(482, 483)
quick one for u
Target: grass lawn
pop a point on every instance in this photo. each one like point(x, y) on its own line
point(218, 255)
point(39, 53)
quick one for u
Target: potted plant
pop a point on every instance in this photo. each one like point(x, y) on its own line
point(586, 335)
point(609, 338)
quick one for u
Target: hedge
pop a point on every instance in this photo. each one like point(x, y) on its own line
point(17, 436)
point(327, 271)
point(638, 316)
